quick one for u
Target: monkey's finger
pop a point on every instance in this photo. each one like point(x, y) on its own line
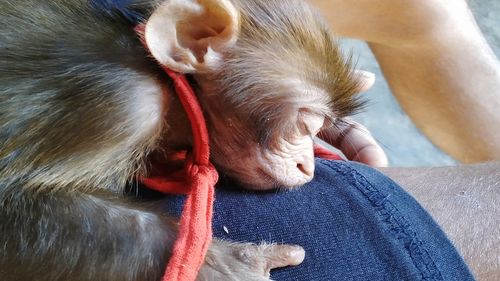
point(365, 79)
point(282, 255)
point(265, 257)
point(356, 142)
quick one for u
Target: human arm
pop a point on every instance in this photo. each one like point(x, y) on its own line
point(438, 65)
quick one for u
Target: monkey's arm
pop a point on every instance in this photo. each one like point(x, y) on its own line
point(464, 201)
point(438, 65)
point(76, 236)
point(63, 236)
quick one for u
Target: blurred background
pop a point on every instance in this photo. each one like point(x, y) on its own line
point(401, 140)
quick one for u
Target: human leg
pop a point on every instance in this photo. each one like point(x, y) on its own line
point(464, 202)
point(354, 224)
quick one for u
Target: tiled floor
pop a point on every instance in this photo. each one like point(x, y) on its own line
point(403, 142)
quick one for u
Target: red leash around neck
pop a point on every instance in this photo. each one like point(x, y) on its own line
point(200, 177)
point(195, 230)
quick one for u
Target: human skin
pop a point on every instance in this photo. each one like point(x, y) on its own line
point(438, 65)
point(464, 202)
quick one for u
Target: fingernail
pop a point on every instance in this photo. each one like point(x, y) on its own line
point(298, 255)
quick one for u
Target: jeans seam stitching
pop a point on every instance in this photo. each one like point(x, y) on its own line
point(396, 223)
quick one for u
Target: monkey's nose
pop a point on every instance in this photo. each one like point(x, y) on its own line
point(306, 168)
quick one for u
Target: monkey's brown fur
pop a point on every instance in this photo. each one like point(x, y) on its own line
point(72, 83)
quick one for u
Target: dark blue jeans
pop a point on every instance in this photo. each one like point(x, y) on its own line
point(354, 223)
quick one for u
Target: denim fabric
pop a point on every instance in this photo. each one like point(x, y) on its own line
point(118, 7)
point(354, 223)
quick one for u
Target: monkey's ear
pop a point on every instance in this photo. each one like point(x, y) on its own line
point(188, 35)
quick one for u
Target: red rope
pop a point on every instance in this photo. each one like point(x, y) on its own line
point(320, 151)
point(197, 181)
point(195, 231)
point(200, 177)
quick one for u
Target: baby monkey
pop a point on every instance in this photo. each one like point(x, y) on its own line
point(82, 113)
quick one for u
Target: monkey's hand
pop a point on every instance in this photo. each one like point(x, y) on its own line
point(228, 261)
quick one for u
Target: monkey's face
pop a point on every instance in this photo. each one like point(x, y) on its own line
point(271, 77)
point(282, 82)
point(273, 150)
point(262, 127)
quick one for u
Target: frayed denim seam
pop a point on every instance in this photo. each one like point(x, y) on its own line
point(396, 223)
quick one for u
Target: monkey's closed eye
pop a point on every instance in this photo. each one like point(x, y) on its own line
point(309, 122)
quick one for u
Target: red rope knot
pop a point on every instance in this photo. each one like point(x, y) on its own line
point(206, 173)
point(195, 232)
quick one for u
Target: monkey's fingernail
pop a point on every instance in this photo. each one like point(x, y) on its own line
point(297, 255)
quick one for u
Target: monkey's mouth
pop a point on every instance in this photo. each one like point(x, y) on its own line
point(259, 180)
point(269, 182)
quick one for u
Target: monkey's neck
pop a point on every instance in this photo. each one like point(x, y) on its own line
point(177, 135)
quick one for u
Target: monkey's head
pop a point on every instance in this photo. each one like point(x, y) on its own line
point(271, 77)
